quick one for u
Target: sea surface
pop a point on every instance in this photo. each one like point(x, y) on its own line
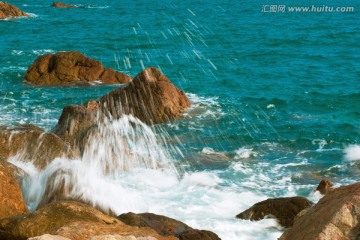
point(275, 103)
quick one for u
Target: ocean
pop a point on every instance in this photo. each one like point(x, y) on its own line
point(275, 102)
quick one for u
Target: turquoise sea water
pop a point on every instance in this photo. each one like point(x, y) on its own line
point(276, 96)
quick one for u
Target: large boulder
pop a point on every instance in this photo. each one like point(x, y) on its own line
point(11, 199)
point(335, 216)
point(9, 11)
point(166, 226)
point(31, 144)
point(63, 5)
point(282, 209)
point(151, 97)
point(64, 68)
point(73, 220)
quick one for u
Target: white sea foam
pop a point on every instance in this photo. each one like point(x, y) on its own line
point(42, 51)
point(321, 143)
point(208, 150)
point(125, 168)
point(352, 152)
point(270, 106)
point(99, 7)
point(204, 107)
point(243, 153)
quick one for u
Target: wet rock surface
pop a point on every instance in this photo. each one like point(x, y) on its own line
point(31, 144)
point(335, 216)
point(324, 187)
point(11, 199)
point(166, 226)
point(151, 97)
point(9, 11)
point(66, 68)
point(68, 219)
point(282, 209)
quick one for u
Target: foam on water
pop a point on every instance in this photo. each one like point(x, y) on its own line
point(352, 153)
point(125, 167)
point(243, 153)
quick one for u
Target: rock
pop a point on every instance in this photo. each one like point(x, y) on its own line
point(11, 199)
point(324, 187)
point(75, 122)
point(32, 144)
point(151, 97)
point(64, 5)
point(9, 11)
point(118, 237)
point(73, 220)
point(49, 237)
point(64, 68)
point(335, 216)
point(198, 235)
point(283, 209)
point(166, 226)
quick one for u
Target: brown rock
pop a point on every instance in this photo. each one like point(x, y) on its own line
point(151, 97)
point(9, 11)
point(324, 187)
point(166, 226)
point(65, 68)
point(30, 143)
point(110, 76)
point(64, 5)
point(11, 199)
point(118, 237)
point(198, 235)
point(283, 209)
point(75, 122)
point(335, 216)
point(69, 219)
point(49, 237)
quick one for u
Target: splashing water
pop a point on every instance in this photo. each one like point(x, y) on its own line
point(125, 168)
point(113, 152)
point(352, 153)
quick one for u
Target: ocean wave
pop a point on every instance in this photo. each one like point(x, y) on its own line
point(98, 7)
point(42, 51)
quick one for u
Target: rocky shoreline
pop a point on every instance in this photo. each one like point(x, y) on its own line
point(151, 97)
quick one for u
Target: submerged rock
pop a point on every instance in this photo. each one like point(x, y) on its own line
point(335, 216)
point(11, 199)
point(324, 187)
point(9, 11)
point(166, 226)
point(31, 144)
point(64, 5)
point(68, 219)
point(283, 209)
point(64, 68)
